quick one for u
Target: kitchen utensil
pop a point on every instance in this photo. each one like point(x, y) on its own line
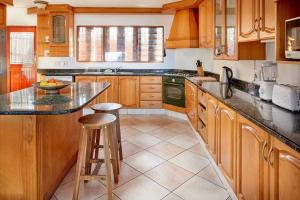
point(226, 75)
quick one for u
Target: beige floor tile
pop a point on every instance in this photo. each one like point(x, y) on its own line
point(127, 173)
point(183, 141)
point(164, 133)
point(197, 188)
point(129, 149)
point(128, 132)
point(198, 149)
point(144, 140)
point(172, 196)
point(53, 198)
point(70, 176)
point(104, 197)
point(143, 161)
point(141, 188)
point(210, 174)
point(169, 175)
point(190, 161)
point(165, 150)
point(146, 127)
point(88, 191)
point(178, 126)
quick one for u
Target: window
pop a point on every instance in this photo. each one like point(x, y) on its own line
point(120, 44)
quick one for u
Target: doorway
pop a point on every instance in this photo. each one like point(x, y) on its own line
point(21, 57)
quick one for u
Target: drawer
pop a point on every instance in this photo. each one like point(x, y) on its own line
point(150, 80)
point(151, 104)
point(202, 130)
point(151, 88)
point(151, 96)
point(202, 98)
point(202, 113)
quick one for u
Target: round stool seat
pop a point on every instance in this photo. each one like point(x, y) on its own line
point(97, 120)
point(106, 107)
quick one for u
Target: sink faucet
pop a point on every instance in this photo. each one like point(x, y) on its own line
point(117, 69)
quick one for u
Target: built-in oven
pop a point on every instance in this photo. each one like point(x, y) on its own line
point(174, 91)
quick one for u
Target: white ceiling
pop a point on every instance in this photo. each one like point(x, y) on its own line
point(100, 3)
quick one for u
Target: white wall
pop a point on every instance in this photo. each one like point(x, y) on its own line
point(17, 16)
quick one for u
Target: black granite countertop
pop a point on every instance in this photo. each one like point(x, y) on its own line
point(33, 101)
point(283, 124)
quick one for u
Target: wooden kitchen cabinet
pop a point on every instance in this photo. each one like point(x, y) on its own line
point(206, 21)
point(226, 135)
point(151, 92)
point(112, 93)
point(129, 91)
point(284, 165)
point(252, 161)
point(212, 113)
point(2, 15)
point(256, 20)
point(191, 102)
point(55, 31)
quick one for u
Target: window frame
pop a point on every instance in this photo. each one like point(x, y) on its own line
point(104, 42)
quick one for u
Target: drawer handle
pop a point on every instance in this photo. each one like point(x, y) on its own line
point(270, 156)
point(263, 151)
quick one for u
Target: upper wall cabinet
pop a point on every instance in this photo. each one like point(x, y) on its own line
point(2, 16)
point(226, 45)
point(206, 21)
point(184, 31)
point(55, 31)
point(256, 20)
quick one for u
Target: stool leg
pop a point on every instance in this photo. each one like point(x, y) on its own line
point(107, 162)
point(80, 157)
point(97, 142)
point(119, 136)
point(88, 153)
point(114, 152)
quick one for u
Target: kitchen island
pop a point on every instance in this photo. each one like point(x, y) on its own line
point(39, 138)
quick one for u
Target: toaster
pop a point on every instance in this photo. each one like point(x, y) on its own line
point(287, 96)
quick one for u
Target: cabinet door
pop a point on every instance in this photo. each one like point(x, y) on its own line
point(219, 28)
point(252, 166)
point(110, 95)
point(230, 30)
point(267, 19)
point(191, 102)
point(211, 110)
point(284, 172)
point(227, 144)
point(206, 27)
point(248, 16)
point(2, 16)
point(129, 91)
point(59, 30)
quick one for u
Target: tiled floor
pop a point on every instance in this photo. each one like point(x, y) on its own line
point(162, 160)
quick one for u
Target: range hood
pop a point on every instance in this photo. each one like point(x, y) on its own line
point(184, 30)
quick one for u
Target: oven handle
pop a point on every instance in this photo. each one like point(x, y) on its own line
point(174, 84)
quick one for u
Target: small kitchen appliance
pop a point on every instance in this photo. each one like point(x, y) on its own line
point(287, 96)
point(292, 38)
point(268, 80)
point(226, 75)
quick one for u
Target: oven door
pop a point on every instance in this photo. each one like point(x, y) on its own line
point(173, 94)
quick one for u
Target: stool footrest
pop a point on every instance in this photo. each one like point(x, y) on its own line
point(94, 177)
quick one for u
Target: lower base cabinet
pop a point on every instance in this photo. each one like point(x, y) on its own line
point(129, 91)
point(191, 102)
point(212, 106)
point(110, 95)
point(284, 165)
point(252, 161)
point(226, 140)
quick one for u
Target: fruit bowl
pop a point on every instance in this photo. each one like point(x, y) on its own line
point(51, 87)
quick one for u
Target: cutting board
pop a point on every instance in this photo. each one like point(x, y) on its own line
point(205, 78)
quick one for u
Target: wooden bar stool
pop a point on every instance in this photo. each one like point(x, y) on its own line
point(102, 123)
point(112, 108)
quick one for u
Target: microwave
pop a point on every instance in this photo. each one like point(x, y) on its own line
point(292, 38)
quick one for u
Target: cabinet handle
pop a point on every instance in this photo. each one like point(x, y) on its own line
point(270, 157)
point(256, 25)
point(263, 151)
